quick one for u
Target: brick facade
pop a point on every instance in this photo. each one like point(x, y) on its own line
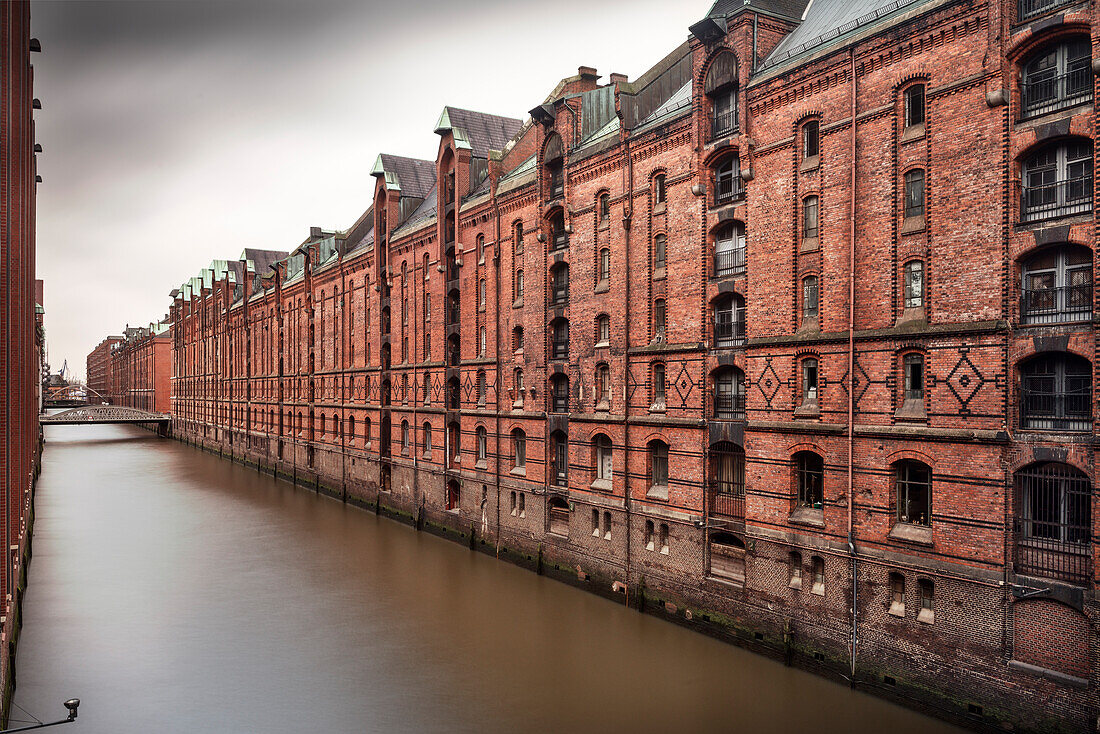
point(98, 373)
point(139, 368)
point(789, 339)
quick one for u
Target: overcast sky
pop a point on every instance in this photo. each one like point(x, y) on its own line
point(177, 132)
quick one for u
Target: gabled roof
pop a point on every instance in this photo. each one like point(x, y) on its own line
point(787, 8)
point(478, 131)
point(830, 22)
point(421, 214)
point(262, 260)
point(410, 176)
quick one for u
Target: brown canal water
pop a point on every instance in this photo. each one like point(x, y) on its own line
point(173, 591)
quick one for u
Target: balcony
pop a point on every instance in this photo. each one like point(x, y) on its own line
point(1056, 92)
point(728, 189)
point(1057, 199)
point(1057, 305)
point(557, 186)
point(1056, 411)
point(727, 499)
point(1031, 8)
point(729, 406)
point(729, 262)
point(559, 294)
point(559, 240)
point(723, 123)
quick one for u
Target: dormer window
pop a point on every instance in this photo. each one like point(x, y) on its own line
point(720, 87)
point(555, 168)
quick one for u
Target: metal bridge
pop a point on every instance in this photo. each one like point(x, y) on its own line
point(92, 414)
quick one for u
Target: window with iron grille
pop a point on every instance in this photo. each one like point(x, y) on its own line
point(559, 457)
point(809, 300)
point(914, 284)
point(1057, 286)
point(559, 285)
point(659, 320)
point(914, 193)
point(729, 322)
point(724, 113)
point(1057, 181)
point(810, 478)
point(1056, 77)
point(560, 344)
point(605, 265)
point(1053, 522)
point(809, 218)
point(914, 105)
point(559, 396)
point(726, 465)
point(729, 250)
point(913, 482)
point(658, 463)
point(729, 394)
point(728, 184)
point(811, 139)
point(1056, 393)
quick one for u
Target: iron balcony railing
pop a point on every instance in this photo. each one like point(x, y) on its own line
point(1055, 92)
point(559, 239)
point(1055, 305)
point(729, 189)
point(728, 331)
point(560, 350)
point(559, 294)
point(1031, 8)
point(559, 403)
point(1056, 411)
point(729, 406)
point(1058, 199)
point(729, 262)
point(727, 499)
point(557, 187)
point(723, 123)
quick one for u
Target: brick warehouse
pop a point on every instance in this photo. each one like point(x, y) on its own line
point(98, 369)
point(138, 367)
point(857, 430)
point(21, 334)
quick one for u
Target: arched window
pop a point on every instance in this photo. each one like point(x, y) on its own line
point(1057, 286)
point(427, 430)
point(1056, 77)
point(517, 238)
point(601, 449)
point(519, 449)
point(559, 459)
point(897, 595)
point(482, 445)
point(604, 207)
point(351, 430)
point(481, 342)
point(1054, 520)
point(517, 284)
point(1057, 181)
point(406, 436)
point(1056, 393)
point(794, 563)
point(559, 237)
point(728, 185)
point(729, 322)
point(914, 193)
point(817, 569)
point(914, 105)
point(727, 480)
point(454, 394)
point(605, 265)
point(660, 254)
point(517, 339)
point(658, 464)
point(481, 294)
point(559, 284)
point(729, 250)
point(809, 218)
point(559, 394)
point(913, 482)
point(454, 496)
point(811, 140)
point(603, 387)
point(659, 332)
point(366, 430)
point(480, 244)
point(720, 86)
point(657, 381)
point(729, 394)
point(603, 330)
point(927, 611)
point(454, 442)
point(560, 339)
point(809, 480)
point(481, 389)
point(517, 379)
point(809, 301)
point(658, 189)
point(554, 166)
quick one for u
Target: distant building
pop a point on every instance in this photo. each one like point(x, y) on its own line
point(140, 371)
point(99, 370)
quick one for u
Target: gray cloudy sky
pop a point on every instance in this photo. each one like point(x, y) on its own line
point(177, 132)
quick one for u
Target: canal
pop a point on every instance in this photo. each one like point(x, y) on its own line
point(173, 591)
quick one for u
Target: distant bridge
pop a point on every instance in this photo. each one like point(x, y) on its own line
point(92, 414)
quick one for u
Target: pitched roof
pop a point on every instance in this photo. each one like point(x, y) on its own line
point(830, 21)
point(262, 260)
point(787, 8)
point(413, 176)
point(480, 131)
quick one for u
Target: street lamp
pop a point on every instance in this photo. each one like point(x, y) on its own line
point(72, 704)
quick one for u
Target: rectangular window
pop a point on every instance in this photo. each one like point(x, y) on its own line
point(809, 382)
point(809, 218)
point(819, 576)
point(659, 320)
point(659, 459)
point(914, 284)
point(519, 449)
point(659, 384)
point(809, 299)
point(914, 377)
point(914, 193)
point(796, 571)
point(595, 523)
point(659, 252)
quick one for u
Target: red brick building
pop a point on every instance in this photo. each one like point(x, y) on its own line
point(98, 365)
point(791, 337)
point(20, 337)
point(140, 368)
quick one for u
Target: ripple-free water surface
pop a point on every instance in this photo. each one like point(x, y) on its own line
point(173, 591)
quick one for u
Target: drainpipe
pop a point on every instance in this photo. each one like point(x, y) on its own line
point(496, 320)
point(628, 214)
point(851, 365)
